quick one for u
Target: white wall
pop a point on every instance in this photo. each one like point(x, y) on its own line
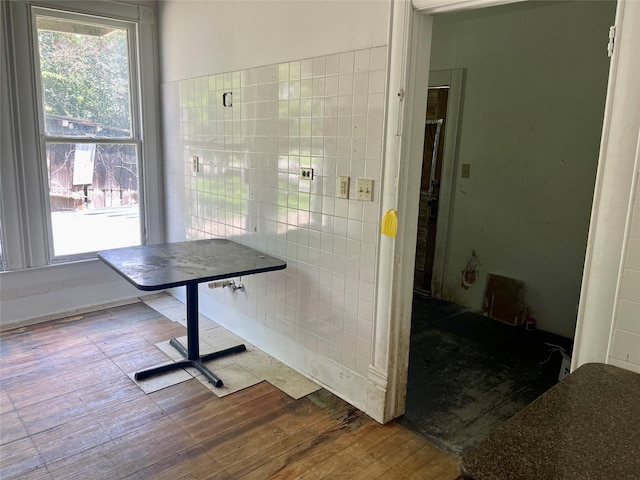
point(214, 36)
point(309, 90)
point(39, 294)
point(532, 111)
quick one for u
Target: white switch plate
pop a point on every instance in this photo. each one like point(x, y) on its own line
point(343, 187)
point(364, 189)
point(196, 163)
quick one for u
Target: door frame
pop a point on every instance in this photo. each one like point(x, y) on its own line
point(454, 78)
point(611, 212)
point(410, 40)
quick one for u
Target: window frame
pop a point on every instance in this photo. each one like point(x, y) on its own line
point(30, 243)
point(134, 111)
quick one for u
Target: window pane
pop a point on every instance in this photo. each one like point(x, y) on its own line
point(85, 78)
point(93, 190)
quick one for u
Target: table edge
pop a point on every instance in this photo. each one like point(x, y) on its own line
point(211, 278)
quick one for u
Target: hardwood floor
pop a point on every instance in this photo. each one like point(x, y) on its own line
point(69, 410)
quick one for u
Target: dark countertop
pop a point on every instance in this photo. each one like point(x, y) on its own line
point(585, 427)
point(156, 267)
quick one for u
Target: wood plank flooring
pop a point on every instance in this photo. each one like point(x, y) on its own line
point(69, 410)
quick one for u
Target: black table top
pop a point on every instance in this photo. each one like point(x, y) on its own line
point(156, 267)
point(585, 427)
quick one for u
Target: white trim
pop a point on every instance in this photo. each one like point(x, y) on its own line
point(151, 119)
point(410, 175)
point(27, 185)
point(611, 194)
point(389, 186)
point(12, 226)
point(401, 173)
point(432, 7)
point(625, 247)
point(117, 10)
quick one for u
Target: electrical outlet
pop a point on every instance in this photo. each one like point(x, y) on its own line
point(343, 187)
point(466, 170)
point(196, 163)
point(364, 189)
point(306, 173)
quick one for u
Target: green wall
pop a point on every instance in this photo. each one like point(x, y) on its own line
point(532, 111)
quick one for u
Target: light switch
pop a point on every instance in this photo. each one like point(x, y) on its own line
point(343, 187)
point(466, 170)
point(364, 189)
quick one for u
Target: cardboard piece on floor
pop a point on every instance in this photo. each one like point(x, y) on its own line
point(503, 300)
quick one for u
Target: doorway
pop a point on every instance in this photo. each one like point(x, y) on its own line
point(434, 132)
point(528, 150)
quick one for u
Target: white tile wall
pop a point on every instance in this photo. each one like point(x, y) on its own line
point(325, 113)
point(624, 350)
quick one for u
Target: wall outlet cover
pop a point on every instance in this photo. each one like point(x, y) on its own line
point(565, 366)
point(306, 173)
point(343, 187)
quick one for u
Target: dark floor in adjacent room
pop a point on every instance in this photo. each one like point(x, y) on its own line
point(468, 373)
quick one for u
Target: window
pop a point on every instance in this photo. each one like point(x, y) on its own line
point(81, 166)
point(88, 118)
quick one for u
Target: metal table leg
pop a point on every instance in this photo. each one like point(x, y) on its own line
point(191, 354)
